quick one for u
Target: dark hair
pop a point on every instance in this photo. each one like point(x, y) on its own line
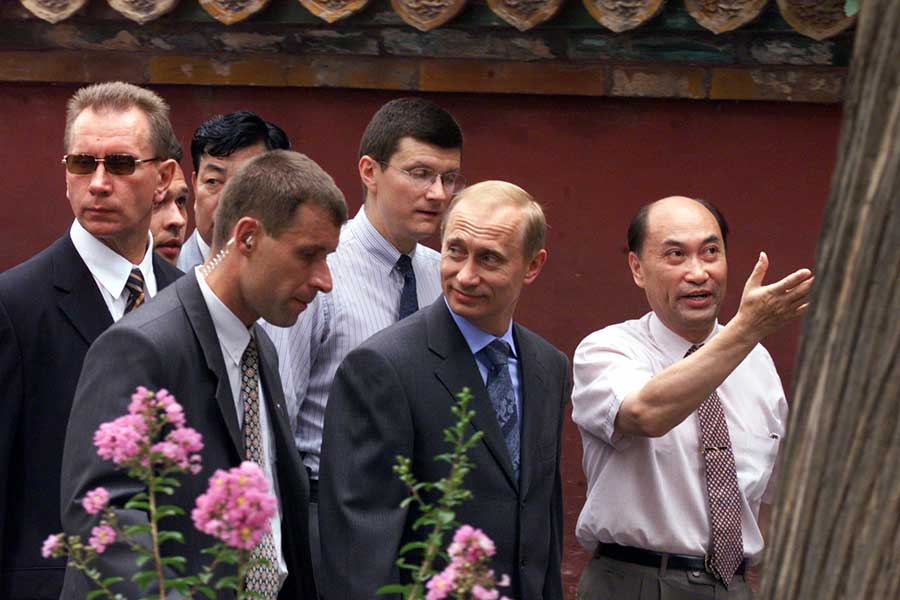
point(637, 229)
point(417, 118)
point(271, 187)
point(222, 135)
point(175, 151)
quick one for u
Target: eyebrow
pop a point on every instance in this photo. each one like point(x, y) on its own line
point(213, 167)
point(709, 240)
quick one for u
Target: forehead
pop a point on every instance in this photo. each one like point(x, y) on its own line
point(311, 226)
point(129, 129)
point(485, 223)
point(409, 149)
point(680, 220)
point(234, 159)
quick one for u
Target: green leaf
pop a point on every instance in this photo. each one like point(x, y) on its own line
point(94, 594)
point(177, 562)
point(143, 578)
point(445, 516)
point(394, 588)
point(207, 591)
point(137, 505)
point(168, 510)
point(229, 582)
point(140, 560)
point(412, 546)
point(851, 7)
point(165, 536)
point(133, 530)
point(111, 580)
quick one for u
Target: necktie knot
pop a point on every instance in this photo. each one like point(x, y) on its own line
point(134, 285)
point(497, 353)
point(692, 349)
point(404, 265)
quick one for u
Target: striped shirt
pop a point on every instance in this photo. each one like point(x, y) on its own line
point(365, 300)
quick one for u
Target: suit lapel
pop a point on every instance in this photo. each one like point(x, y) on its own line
point(198, 314)
point(269, 376)
point(458, 370)
point(164, 272)
point(534, 392)
point(81, 303)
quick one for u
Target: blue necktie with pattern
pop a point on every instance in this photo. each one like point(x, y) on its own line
point(503, 397)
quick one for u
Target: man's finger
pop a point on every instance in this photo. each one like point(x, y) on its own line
point(759, 271)
point(792, 281)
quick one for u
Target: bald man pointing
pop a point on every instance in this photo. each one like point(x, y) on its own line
point(681, 418)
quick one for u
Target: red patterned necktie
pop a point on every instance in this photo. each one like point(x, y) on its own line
point(726, 550)
point(261, 579)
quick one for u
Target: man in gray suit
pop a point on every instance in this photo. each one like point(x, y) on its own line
point(393, 394)
point(279, 218)
point(219, 146)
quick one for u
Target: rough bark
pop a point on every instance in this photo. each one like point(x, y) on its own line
point(836, 527)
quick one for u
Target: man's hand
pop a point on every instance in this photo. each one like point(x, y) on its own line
point(765, 309)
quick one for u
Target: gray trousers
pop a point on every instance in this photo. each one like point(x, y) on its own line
point(606, 579)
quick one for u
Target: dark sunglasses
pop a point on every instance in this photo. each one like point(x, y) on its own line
point(116, 164)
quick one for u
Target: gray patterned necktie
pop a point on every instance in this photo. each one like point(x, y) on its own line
point(726, 551)
point(135, 288)
point(262, 578)
point(503, 397)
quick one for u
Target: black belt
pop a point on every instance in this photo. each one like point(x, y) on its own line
point(649, 558)
point(313, 487)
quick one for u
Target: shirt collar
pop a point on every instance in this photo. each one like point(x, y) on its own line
point(108, 267)
point(233, 335)
point(204, 247)
point(672, 344)
point(374, 242)
point(478, 339)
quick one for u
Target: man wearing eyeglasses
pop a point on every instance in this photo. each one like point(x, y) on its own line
point(54, 305)
point(409, 165)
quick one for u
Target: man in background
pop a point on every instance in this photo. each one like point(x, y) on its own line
point(218, 148)
point(169, 220)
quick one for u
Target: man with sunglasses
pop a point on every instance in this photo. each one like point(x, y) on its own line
point(54, 305)
point(409, 163)
point(219, 146)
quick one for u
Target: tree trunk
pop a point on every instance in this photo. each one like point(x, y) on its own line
point(836, 527)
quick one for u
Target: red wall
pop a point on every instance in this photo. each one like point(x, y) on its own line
point(590, 161)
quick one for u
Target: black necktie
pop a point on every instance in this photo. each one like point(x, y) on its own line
point(135, 287)
point(409, 303)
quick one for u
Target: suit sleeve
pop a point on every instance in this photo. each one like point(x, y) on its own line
point(120, 360)
point(553, 580)
point(367, 424)
point(10, 407)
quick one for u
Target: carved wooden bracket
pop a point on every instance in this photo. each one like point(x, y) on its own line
point(525, 14)
point(425, 15)
point(333, 10)
point(142, 10)
point(818, 19)
point(232, 11)
point(622, 15)
point(720, 16)
point(53, 11)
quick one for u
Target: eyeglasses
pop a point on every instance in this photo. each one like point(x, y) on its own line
point(116, 164)
point(423, 178)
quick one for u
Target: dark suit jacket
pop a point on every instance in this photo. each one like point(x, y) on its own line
point(392, 395)
point(50, 312)
point(171, 343)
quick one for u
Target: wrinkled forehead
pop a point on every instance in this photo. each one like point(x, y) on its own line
point(680, 219)
point(485, 221)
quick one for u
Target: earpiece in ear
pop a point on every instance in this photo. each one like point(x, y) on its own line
point(248, 240)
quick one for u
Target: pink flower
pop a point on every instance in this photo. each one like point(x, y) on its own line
point(53, 546)
point(120, 440)
point(440, 585)
point(237, 507)
point(471, 544)
point(504, 580)
point(101, 537)
point(95, 500)
point(480, 593)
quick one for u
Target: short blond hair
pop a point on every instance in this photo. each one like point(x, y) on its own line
point(503, 193)
point(118, 96)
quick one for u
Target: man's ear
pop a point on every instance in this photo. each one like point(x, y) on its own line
point(166, 173)
point(637, 272)
point(535, 266)
point(246, 234)
point(368, 169)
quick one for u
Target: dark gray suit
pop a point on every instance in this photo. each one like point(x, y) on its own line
point(50, 313)
point(392, 395)
point(171, 343)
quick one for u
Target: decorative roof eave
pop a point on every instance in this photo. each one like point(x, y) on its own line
point(818, 19)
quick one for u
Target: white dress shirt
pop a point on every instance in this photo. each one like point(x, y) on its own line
point(365, 300)
point(111, 270)
point(233, 339)
point(650, 492)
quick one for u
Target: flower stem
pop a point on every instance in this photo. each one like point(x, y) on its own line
point(154, 535)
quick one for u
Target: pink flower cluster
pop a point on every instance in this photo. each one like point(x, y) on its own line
point(468, 574)
point(53, 546)
point(95, 500)
point(237, 507)
point(102, 536)
point(126, 440)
